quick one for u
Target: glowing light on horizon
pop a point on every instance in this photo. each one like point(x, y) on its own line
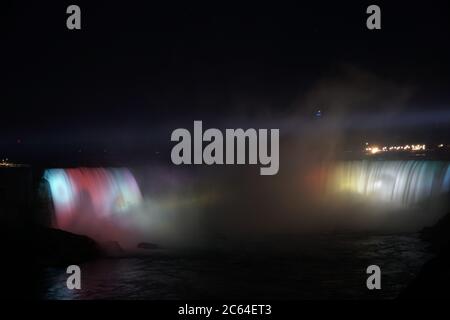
point(8, 164)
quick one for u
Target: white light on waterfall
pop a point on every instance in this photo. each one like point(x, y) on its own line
point(399, 183)
point(61, 189)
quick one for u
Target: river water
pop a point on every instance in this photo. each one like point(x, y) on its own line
point(318, 267)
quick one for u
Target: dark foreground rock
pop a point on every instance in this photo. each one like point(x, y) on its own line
point(439, 234)
point(112, 249)
point(28, 250)
point(57, 247)
point(433, 281)
point(147, 245)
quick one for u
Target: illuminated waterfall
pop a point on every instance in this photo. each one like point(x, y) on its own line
point(398, 183)
point(107, 203)
point(92, 200)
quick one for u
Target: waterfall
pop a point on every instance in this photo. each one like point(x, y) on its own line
point(398, 183)
point(92, 201)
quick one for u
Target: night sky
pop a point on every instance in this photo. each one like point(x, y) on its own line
point(136, 71)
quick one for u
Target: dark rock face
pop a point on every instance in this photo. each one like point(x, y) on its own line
point(15, 197)
point(43, 205)
point(433, 281)
point(439, 234)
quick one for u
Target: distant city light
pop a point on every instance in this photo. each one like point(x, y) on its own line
point(374, 149)
point(5, 163)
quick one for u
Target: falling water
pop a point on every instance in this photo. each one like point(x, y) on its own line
point(397, 183)
point(151, 204)
point(93, 201)
point(167, 206)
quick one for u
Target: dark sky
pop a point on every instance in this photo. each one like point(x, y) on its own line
point(136, 69)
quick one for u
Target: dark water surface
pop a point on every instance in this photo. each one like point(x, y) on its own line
point(321, 267)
